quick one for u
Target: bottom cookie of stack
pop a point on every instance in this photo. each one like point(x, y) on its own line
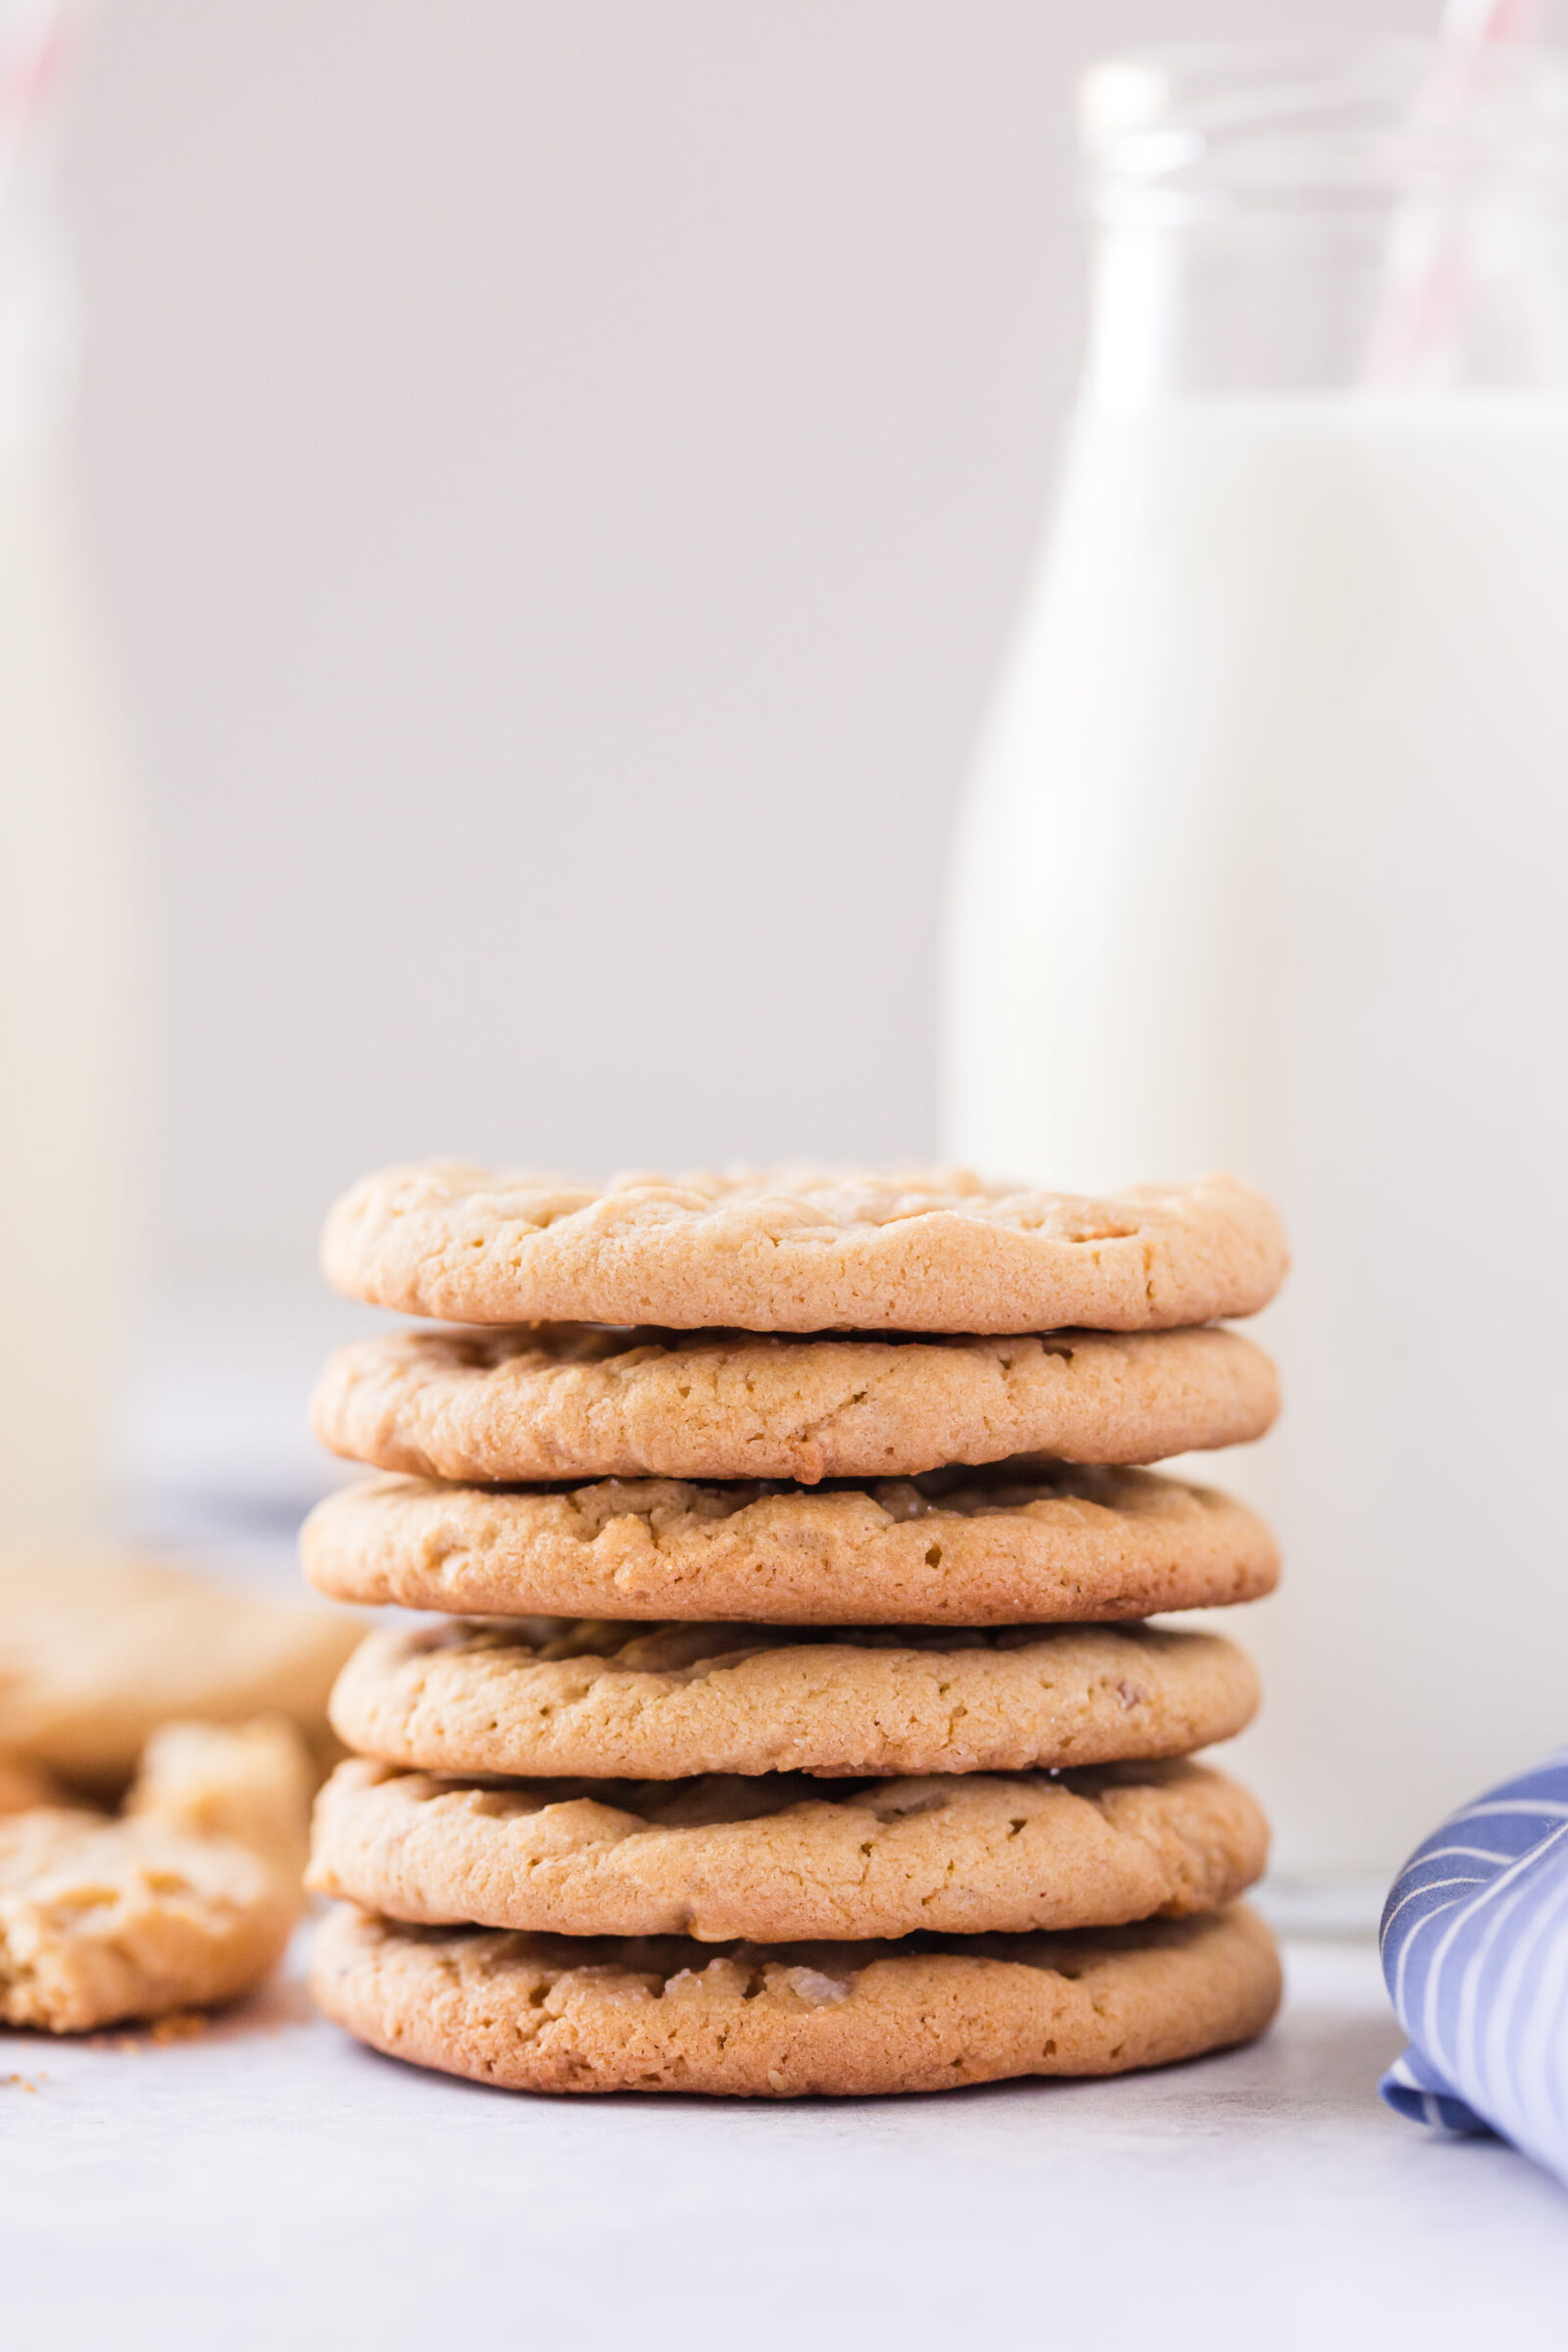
point(551, 2013)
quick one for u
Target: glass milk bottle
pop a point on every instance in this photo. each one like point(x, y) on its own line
point(1265, 860)
point(65, 965)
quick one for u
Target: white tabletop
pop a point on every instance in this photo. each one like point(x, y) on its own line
point(269, 2184)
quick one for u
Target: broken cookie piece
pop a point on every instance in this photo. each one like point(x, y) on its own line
point(185, 1899)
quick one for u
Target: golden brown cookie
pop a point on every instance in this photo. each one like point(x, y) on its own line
point(1013, 1544)
point(95, 1653)
point(103, 1920)
point(24, 1785)
point(569, 1402)
point(548, 2013)
point(775, 1860)
point(540, 1697)
point(251, 1782)
point(801, 1249)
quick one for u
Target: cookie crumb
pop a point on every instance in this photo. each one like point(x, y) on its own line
point(180, 2025)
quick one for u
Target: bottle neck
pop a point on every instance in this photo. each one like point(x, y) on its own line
point(1360, 216)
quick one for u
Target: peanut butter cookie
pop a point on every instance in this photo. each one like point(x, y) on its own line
point(569, 1402)
point(801, 1249)
point(1015, 1543)
point(932, 2013)
point(540, 1696)
point(776, 1859)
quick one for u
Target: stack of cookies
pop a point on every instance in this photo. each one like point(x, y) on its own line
point(789, 1722)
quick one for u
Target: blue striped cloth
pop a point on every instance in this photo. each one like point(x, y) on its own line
point(1475, 1950)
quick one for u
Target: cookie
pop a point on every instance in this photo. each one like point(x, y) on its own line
point(23, 1785)
point(541, 1696)
point(249, 1782)
point(104, 1920)
point(774, 1860)
point(571, 1403)
point(1006, 1545)
point(96, 1652)
point(801, 1249)
point(550, 2013)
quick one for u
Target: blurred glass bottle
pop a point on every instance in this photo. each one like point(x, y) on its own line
point(1265, 861)
point(65, 977)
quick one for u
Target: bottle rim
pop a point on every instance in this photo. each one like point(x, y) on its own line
point(1191, 129)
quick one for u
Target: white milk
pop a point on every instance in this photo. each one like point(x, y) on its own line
point(64, 1011)
point(1266, 866)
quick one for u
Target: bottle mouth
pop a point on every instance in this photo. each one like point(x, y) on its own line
point(1352, 121)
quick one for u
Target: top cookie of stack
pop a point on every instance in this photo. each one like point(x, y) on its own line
point(801, 1249)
